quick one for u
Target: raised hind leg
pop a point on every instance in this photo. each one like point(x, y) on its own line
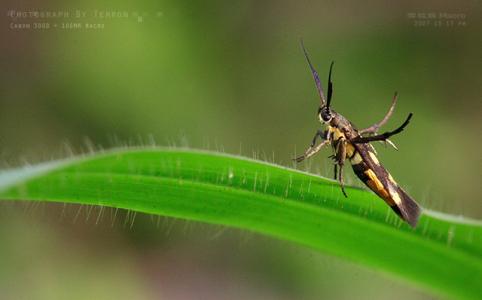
point(374, 128)
point(383, 136)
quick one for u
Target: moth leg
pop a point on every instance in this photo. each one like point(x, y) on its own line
point(383, 136)
point(387, 141)
point(342, 183)
point(312, 150)
point(374, 128)
point(335, 165)
point(319, 133)
point(336, 159)
point(341, 156)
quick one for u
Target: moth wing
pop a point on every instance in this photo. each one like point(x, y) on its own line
point(377, 178)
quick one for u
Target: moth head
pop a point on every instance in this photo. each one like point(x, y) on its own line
point(324, 114)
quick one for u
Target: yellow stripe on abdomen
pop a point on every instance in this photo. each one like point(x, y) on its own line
point(356, 158)
point(376, 185)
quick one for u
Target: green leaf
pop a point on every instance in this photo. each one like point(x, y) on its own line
point(442, 255)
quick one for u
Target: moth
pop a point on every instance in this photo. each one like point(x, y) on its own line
point(351, 144)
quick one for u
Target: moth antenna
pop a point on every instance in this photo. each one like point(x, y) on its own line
point(330, 86)
point(315, 75)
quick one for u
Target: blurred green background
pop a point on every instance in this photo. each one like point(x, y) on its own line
point(226, 76)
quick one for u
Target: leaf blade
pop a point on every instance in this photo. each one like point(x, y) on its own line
point(441, 255)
